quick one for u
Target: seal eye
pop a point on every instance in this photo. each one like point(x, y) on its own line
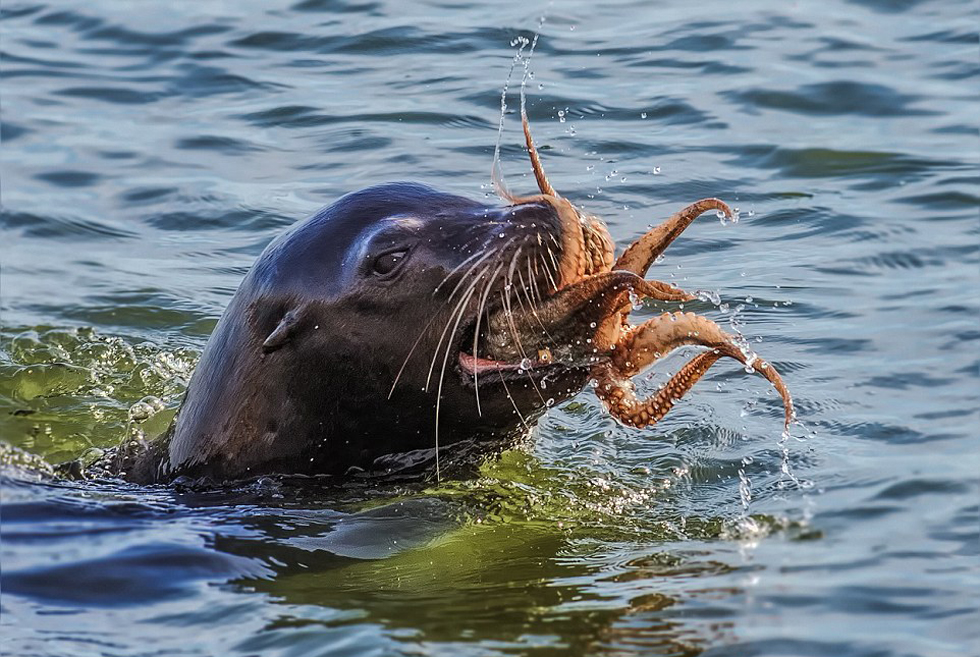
point(387, 263)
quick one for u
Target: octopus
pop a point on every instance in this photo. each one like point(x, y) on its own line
point(592, 277)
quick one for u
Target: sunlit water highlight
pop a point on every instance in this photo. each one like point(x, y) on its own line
point(149, 155)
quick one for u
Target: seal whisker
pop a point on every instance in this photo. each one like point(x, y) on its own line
point(510, 398)
point(526, 309)
point(458, 267)
point(533, 310)
point(457, 310)
point(418, 340)
point(513, 263)
point(556, 262)
point(537, 274)
point(509, 314)
point(445, 359)
point(410, 352)
point(529, 290)
point(476, 333)
point(547, 271)
point(509, 277)
point(509, 288)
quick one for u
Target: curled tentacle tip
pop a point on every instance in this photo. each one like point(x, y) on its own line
point(717, 204)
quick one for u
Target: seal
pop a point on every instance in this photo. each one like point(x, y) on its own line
point(358, 334)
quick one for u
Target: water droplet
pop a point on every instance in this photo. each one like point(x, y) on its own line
point(141, 411)
point(744, 488)
point(710, 296)
point(550, 402)
point(526, 364)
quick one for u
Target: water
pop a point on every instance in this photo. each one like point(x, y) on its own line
point(149, 154)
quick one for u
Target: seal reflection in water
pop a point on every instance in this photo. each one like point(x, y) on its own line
point(401, 319)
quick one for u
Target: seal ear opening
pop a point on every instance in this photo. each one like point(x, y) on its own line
point(283, 332)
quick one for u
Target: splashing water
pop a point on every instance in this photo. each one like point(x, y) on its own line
point(521, 43)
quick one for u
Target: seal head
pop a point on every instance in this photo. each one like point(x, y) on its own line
point(369, 329)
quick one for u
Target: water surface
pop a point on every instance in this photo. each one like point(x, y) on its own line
point(150, 153)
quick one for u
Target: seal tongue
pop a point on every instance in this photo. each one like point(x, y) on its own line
point(474, 365)
point(471, 364)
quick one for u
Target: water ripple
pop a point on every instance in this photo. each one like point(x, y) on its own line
point(835, 98)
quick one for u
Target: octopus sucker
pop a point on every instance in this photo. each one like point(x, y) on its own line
point(619, 393)
point(594, 296)
point(655, 338)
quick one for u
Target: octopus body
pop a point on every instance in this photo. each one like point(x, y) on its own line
point(589, 271)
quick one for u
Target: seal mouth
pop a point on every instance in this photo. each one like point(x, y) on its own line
point(572, 328)
point(471, 364)
point(534, 328)
point(480, 361)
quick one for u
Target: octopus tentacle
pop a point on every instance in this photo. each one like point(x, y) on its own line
point(642, 345)
point(539, 175)
point(605, 295)
point(596, 244)
point(661, 291)
point(641, 254)
point(619, 394)
point(595, 306)
point(597, 288)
